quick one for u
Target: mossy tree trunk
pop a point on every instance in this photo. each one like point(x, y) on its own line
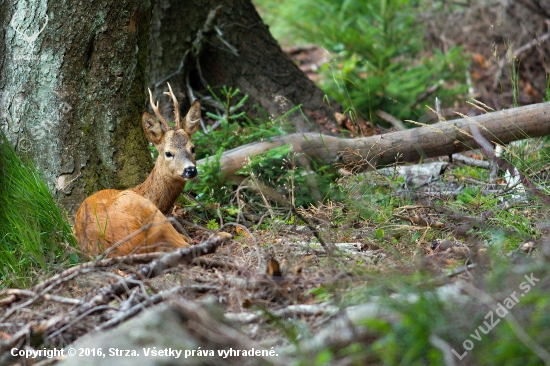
point(234, 49)
point(71, 91)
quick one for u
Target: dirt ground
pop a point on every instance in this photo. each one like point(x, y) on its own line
point(284, 267)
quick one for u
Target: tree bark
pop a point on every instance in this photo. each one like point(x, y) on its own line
point(71, 91)
point(256, 65)
point(444, 138)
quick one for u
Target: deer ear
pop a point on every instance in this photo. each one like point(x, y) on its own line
point(192, 120)
point(151, 128)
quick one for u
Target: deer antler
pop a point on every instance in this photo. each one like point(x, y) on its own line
point(176, 107)
point(157, 112)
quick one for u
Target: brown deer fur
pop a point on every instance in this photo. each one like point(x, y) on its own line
point(134, 221)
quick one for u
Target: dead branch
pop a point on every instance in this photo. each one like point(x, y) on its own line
point(157, 267)
point(394, 121)
point(518, 51)
point(162, 262)
point(72, 272)
point(443, 138)
point(136, 309)
point(505, 165)
point(471, 161)
point(289, 311)
point(17, 293)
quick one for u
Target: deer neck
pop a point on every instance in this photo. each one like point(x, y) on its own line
point(162, 192)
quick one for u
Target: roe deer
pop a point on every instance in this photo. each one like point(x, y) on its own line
point(135, 219)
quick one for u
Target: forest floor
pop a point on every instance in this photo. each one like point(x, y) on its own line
point(402, 272)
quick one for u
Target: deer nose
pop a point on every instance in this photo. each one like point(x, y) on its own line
point(189, 172)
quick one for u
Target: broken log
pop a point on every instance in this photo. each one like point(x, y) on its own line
point(443, 138)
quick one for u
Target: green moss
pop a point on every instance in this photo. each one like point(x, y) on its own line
point(133, 159)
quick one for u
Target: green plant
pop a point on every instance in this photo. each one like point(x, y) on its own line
point(213, 225)
point(34, 233)
point(382, 61)
point(234, 130)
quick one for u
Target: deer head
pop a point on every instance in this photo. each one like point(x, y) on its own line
point(176, 158)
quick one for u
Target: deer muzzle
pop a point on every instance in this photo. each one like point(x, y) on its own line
point(189, 172)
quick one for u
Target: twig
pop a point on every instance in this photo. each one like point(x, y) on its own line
point(177, 72)
point(136, 309)
point(72, 272)
point(81, 316)
point(47, 297)
point(471, 161)
point(244, 228)
point(444, 347)
point(461, 269)
point(518, 51)
point(329, 249)
point(157, 267)
point(488, 150)
point(15, 339)
point(211, 263)
point(289, 311)
point(394, 121)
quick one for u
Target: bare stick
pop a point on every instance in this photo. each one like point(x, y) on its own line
point(518, 51)
point(471, 161)
point(47, 297)
point(503, 164)
point(157, 267)
point(394, 121)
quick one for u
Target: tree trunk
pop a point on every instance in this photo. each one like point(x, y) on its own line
point(444, 138)
point(245, 55)
point(71, 91)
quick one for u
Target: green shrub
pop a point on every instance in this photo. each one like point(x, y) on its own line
point(383, 61)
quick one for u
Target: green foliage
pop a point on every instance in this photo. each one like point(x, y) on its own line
point(382, 62)
point(213, 225)
point(422, 312)
point(407, 342)
point(370, 197)
point(235, 130)
point(276, 167)
point(32, 228)
point(229, 93)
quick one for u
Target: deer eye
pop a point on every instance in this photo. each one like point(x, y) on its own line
point(193, 150)
point(168, 154)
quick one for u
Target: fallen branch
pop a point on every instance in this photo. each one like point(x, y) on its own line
point(17, 293)
point(136, 309)
point(471, 161)
point(99, 302)
point(72, 272)
point(505, 165)
point(394, 121)
point(289, 311)
point(157, 267)
point(443, 138)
